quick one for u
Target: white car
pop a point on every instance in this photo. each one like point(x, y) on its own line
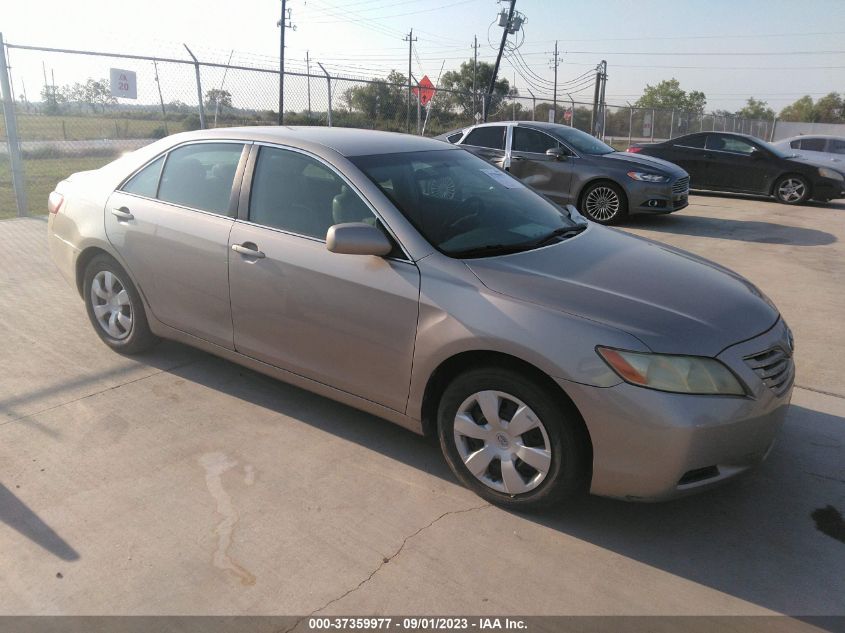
point(818, 147)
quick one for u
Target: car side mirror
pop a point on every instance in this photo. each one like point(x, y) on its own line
point(357, 238)
point(556, 153)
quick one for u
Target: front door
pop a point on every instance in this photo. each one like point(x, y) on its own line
point(736, 164)
point(170, 224)
point(529, 162)
point(348, 321)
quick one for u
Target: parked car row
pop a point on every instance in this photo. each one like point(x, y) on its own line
point(571, 167)
point(415, 281)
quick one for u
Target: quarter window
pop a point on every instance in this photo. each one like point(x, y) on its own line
point(297, 193)
point(200, 176)
point(454, 138)
point(145, 182)
point(528, 140)
point(492, 136)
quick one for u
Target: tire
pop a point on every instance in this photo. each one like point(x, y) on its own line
point(115, 308)
point(792, 189)
point(605, 203)
point(553, 430)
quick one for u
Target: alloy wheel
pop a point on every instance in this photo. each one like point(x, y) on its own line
point(791, 190)
point(111, 304)
point(502, 442)
point(602, 203)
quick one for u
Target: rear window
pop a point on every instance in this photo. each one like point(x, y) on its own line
point(492, 137)
point(200, 176)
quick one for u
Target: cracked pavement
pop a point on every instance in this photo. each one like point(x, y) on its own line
point(179, 483)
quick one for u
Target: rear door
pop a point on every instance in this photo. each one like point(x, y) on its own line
point(688, 153)
point(170, 224)
point(488, 142)
point(528, 161)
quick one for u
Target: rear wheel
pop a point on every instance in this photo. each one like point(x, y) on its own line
point(605, 203)
point(511, 441)
point(792, 189)
point(115, 307)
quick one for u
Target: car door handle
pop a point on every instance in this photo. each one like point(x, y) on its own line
point(248, 249)
point(122, 214)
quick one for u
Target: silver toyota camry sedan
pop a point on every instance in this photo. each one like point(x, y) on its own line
point(414, 280)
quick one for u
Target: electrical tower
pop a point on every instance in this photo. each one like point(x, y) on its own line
point(555, 62)
point(511, 22)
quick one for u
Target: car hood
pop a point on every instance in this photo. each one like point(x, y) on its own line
point(813, 161)
point(673, 301)
point(639, 161)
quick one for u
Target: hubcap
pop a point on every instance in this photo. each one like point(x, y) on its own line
point(602, 203)
point(111, 304)
point(791, 190)
point(502, 442)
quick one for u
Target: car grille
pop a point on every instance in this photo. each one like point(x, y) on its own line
point(775, 368)
point(681, 185)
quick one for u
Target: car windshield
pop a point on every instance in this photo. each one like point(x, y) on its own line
point(464, 206)
point(582, 142)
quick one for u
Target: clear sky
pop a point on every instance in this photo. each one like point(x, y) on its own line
point(776, 50)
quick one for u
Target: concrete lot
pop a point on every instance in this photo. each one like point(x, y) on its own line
point(178, 483)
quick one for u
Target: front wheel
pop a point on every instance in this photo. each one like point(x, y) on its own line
point(511, 441)
point(115, 307)
point(605, 203)
point(792, 189)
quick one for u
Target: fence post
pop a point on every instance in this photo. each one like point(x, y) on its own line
point(672, 123)
point(774, 125)
point(12, 141)
point(199, 87)
point(653, 124)
point(630, 124)
point(329, 83)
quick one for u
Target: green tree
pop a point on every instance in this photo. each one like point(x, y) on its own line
point(381, 99)
point(93, 93)
point(216, 97)
point(830, 109)
point(756, 109)
point(802, 110)
point(668, 94)
point(53, 98)
point(458, 89)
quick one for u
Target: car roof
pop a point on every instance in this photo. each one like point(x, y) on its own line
point(344, 141)
point(805, 136)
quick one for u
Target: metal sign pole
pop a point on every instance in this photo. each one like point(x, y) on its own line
point(18, 180)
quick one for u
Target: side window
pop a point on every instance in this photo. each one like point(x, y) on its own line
point(297, 193)
point(837, 147)
point(527, 140)
point(492, 136)
point(454, 138)
point(200, 176)
point(729, 144)
point(145, 182)
point(696, 141)
point(813, 144)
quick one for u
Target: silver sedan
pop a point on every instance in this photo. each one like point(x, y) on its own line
point(413, 280)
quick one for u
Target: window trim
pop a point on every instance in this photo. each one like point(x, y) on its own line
point(236, 181)
point(242, 214)
point(514, 128)
point(505, 139)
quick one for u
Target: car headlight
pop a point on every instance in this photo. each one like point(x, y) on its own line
point(678, 374)
point(647, 177)
point(824, 172)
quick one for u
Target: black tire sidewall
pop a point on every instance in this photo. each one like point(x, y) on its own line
point(804, 198)
point(621, 214)
point(569, 474)
point(140, 337)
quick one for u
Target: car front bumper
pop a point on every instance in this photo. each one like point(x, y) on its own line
point(652, 445)
point(646, 197)
point(827, 189)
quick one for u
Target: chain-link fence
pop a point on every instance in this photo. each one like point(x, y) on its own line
point(70, 121)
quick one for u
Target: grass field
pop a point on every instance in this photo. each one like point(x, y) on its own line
point(37, 127)
point(42, 174)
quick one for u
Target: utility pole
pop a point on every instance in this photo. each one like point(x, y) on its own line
point(555, 64)
point(410, 39)
point(598, 96)
point(505, 29)
point(474, 75)
point(283, 23)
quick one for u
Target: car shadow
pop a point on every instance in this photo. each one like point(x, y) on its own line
point(838, 204)
point(740, 230)
point(730, 539)
point(18, 516)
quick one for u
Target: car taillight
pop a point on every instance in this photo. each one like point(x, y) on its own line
point(55, 201)
point(634, 150)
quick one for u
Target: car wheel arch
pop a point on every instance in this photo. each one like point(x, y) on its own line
point(90, 252)
point(458, 363)
point(779, 177)
point(599, 179)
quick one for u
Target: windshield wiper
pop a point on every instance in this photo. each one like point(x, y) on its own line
point(564, 231)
